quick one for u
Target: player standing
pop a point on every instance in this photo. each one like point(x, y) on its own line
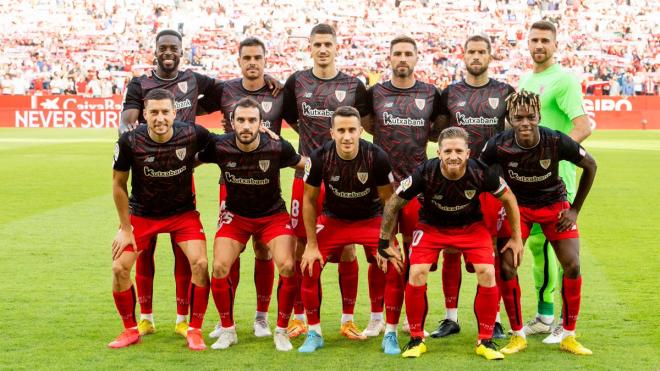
point(161, 157)
point(530, 158)
point(477, 104)
point(310, 98)
point(403, 114)
point(250, 162)
point(357, 178)
point(186, 86)
point(561, 109)
point(252, 61)
point(450, 218)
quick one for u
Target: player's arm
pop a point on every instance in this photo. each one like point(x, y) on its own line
point(125, 235)
point(439, 115)
point(581, 128)
point(568, 217)
point(274, 85)
point(130, 114)
point(290, 105)
point(510, 204)
point(212, 90)
point(290, 158)
point(368, 120)
point(313, 178)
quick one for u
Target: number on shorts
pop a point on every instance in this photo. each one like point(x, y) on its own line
point(226, 218)
point(319, 228)
point(417, 236)
point(295, 208)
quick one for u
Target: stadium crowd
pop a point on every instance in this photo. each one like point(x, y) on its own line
point(91, 48)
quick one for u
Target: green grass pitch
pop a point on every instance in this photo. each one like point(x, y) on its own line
point(57, 220)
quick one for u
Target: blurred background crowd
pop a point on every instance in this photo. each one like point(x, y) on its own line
point(94, 48)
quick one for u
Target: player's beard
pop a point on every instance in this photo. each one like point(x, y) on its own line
point(403, 73)
point(541, 58)
point(477, 70)
point(249, 140)
point(172, 69)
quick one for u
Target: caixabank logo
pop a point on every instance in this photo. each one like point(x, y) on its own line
point(68, 112)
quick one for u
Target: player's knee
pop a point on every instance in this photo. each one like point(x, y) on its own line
point(220, 269)
point(507, 270)
point(120, 271)
point(417, 276)
point(286, 268)
point(572, 269)
point(485, 274)
point(200, 266)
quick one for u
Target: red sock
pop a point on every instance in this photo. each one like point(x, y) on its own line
point(264, 274)
point(376, 288)
point(348, 285)
point(223, 296)
point(571, 293)
point(451, 279)
point(312, 294)
point(416, 309)
point(393, 294)
point(485, 308)
point(298, 307)
point(286, 292)
point(144, 277)
point(510, 291)
point(235, 274)
point(199, 300)
point(182, 276)
point(498, 281)
point(125, 303)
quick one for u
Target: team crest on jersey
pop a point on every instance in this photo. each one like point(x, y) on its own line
point(183, 86)
point(266, 106)
point(545, 163)
point(362, 176)
point(420, 103)
point(264, 165)
point(181, 153)
point(494, 102)
point(469, 193)
point(340, 95)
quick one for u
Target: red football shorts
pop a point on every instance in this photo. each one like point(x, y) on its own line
point(222, 196)
point(264, 229)
point(472, 240)
point(491, 208)
point(333, 234)
point(297, 192)
point(183, 227)
point(547, 217)
point(408, 217)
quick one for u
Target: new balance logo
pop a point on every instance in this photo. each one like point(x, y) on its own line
point(308, 95)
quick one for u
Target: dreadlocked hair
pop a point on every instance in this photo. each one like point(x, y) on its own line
point(523, 99)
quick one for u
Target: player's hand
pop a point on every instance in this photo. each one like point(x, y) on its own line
point(122, 239)
point(270, 133)
point(388, 252)
point(514, 244)
point(127, 127)
point(273, 84)
point(567, 219)
point(310, 256)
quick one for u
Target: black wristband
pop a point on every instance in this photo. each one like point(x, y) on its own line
point(383, 244)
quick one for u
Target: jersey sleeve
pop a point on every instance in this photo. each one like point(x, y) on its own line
point(212, 91)
point(203, 136)
point(492, 182)
point(210, 153)
point(290, 110)
point(437, 106)
point(569, 149)
point(288, 156)
point(361, 103)
point(412, 185)
point(314, 169)
point(133, 96)
point(442, 103)
point(569, 99)
point(123, 156)
point(370, 100)
point(489, 152)
point(382, 169)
